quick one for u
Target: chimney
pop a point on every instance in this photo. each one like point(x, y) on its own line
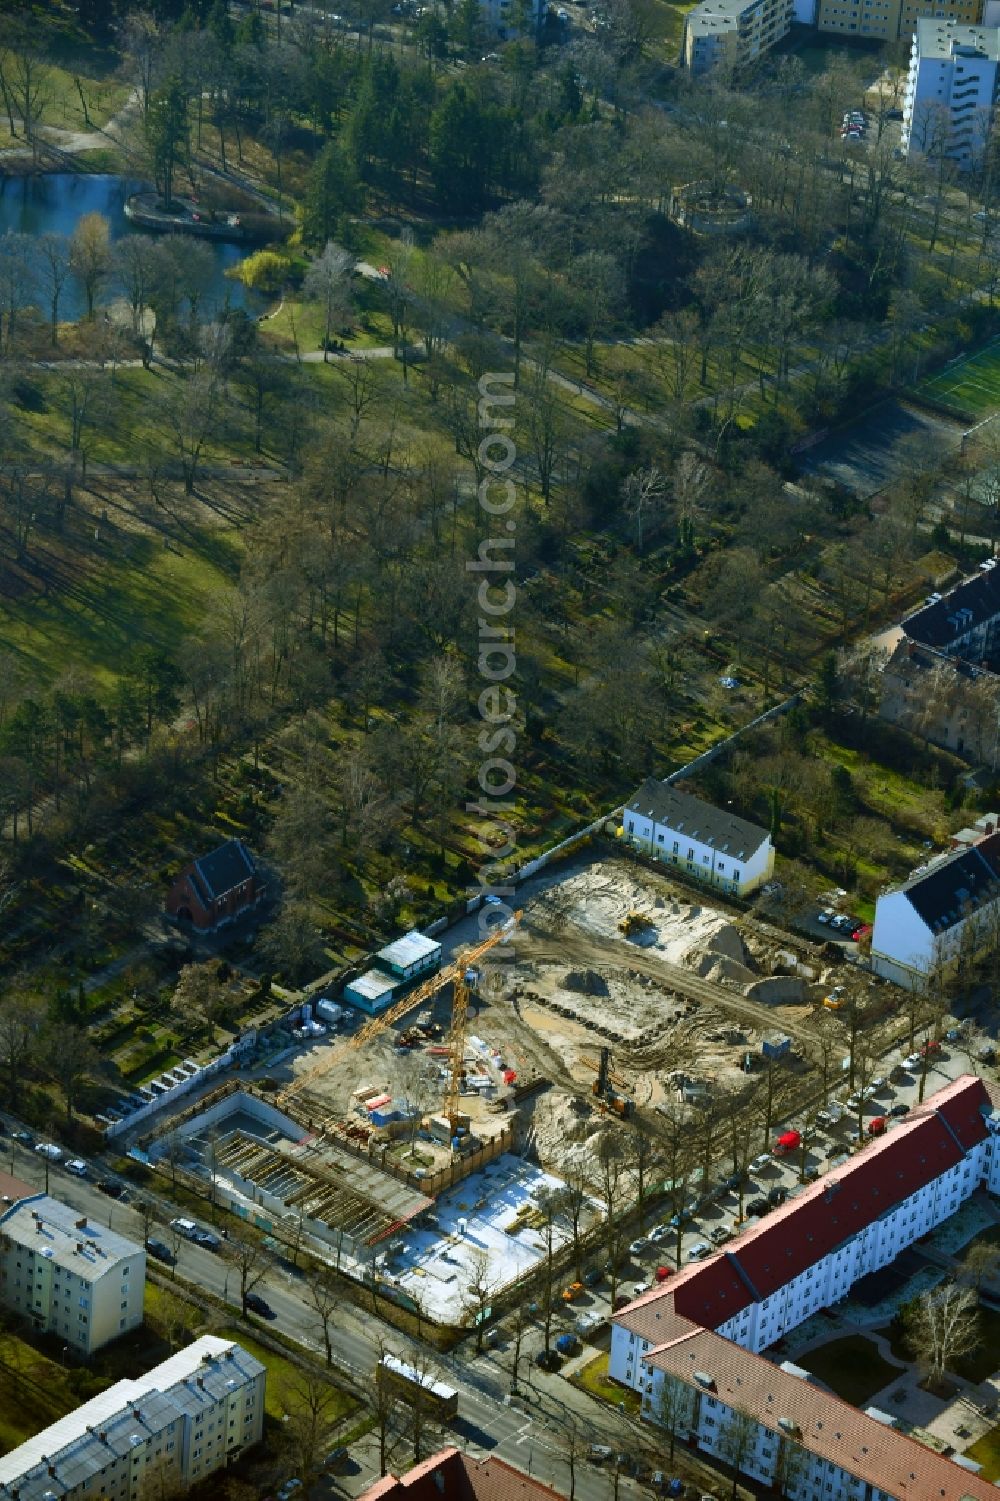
point(79, 1248)
point(82, 1224)
point(136, 1413)
point(103, 1435)
point(201, 1383)
point(52, 1471)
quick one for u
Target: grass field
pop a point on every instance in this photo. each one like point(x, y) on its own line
point(851, 1367)
point(970, 383)
point(986, 1452)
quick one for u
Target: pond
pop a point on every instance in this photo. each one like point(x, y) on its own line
point(55, 202)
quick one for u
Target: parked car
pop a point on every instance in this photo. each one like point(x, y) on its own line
point(593, 1276)
point(953, 1034)
point(206, 1238)
point(289, 1488)
point(877, 1127)
point(699, 1251)
point(638, 1288)
point(111, 1188)
point(681, 1218)
point(337, 1457)
point(986, 1055)
point(825, 915)
point(571, 1293)
point(256, 1304)
point(599, 1453)
point(549, 1360)
point(760, 1163)
point(900, 1108)
point(24, 1137)
point(77, 1167)
point(719, 1234)
point(50, 1150)
point(913, 1060)
point(878, 1084)
point(930, 1046)
point(733, 1181)
point(637, 1247)
point(660, 1233)
point(567, 1344)
point(161, 1251)
point(777, 1195)
point(758, 1206)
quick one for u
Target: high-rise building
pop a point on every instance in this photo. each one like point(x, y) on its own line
point(951, 90)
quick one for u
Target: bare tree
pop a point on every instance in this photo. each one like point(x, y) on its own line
point(251, 1260)
point(324, 1295)
point(941, 1326)
point(313, 1407)
point(481, 1288)
point(328, 283)
point(52, 252)
point(671, 1407)
point(20, 1021)
point(735, 1442)
point(90, 256)
point(644, 495)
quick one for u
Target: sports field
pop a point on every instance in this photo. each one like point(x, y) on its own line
point(970, 383)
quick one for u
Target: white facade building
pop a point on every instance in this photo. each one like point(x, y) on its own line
point(692, 1347)
point(708, 843)
point(950, 908)
point(951, 90)
point(70, 1276)
point(153, 1437)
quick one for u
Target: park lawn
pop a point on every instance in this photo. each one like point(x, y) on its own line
point(594, 1378)
point(139, 593)
point(852, 1367)
point(34, 1391)
point(986, 1452)
point(284, 1379)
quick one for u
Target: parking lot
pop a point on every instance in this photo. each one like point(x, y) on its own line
point(772, 1179)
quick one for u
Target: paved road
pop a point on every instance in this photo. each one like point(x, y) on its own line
point(524, 1430)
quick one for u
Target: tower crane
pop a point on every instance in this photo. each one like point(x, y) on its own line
point(464, 976)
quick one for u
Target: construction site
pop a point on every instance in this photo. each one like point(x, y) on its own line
point(421, 1146)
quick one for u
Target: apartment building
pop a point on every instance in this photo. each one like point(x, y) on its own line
point(889, 19)
point(732, 34)
point(948, 910)
point(708, 843)
point(72, 1277)
point(948, 107)
point(152, 1437)
point(693, 1347)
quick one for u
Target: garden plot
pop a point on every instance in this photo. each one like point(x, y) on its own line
point(487, 1230)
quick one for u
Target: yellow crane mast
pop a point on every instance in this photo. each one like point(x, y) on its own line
point(455, 973)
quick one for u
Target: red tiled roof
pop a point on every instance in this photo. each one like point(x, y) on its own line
point(829, 1427)
point(15, 1189)
point(808, 1227)
point(458, 1477)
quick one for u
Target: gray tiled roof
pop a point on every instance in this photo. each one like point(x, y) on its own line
point(228, 866)
point(688, 815)
point(951, 888)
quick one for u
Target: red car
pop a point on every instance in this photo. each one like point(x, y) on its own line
point(877, 1126)
point(930, 1046)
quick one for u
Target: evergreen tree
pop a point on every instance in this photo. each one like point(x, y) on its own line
point(332, 192)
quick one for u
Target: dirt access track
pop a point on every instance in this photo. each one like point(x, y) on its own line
point(688, 951)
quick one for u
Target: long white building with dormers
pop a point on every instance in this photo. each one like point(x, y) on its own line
point(704, 1331)
point(710, 844)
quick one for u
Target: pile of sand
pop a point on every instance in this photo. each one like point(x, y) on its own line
point(585, 982)
point(778, 990)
